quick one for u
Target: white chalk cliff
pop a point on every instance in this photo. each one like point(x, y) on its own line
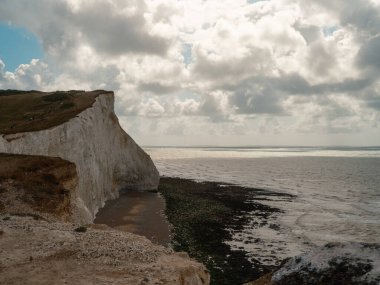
point(45, 200)
point(106, 158)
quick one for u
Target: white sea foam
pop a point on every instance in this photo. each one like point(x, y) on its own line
point(337, 191)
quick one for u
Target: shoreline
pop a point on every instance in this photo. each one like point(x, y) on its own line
point(202, 219)
point(206, 215)
point(137, 212)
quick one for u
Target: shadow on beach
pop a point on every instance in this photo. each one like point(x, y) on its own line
point(203, 217)
point(137, 212)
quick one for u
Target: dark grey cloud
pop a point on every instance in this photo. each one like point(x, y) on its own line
point(210, 105)
point(292, 84)
point(350, 86)
point(374, 103)
point(254, 61)
point(369, 54)
point(309, 32)
point(157, 88)
point(214, 106)
point(265, 95)
point(264, 103)
point(289, 84)
point(257, 97)
point(349, 129)
point(295, 84)
point(332, 109)
point(104, 78)
point(320, 59)
point(364, 17)
point(371, 97)
point(115, 34)
point(362, 14)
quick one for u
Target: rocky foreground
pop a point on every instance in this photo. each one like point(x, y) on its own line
point(37, 251)
point(39, 246)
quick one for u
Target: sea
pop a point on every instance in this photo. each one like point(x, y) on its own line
point(336, 192)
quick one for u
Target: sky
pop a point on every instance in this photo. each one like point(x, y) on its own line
point(208, 72)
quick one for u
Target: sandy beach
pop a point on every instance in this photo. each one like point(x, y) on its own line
point(137, 212)
point(204, 217)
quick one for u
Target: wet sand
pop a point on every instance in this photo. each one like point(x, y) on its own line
point(206, 218)
point(137, 212)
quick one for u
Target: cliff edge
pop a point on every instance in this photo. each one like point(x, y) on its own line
point(62, 155)
point(82, 128)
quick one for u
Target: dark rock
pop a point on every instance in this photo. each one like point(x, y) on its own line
point(332, 264)
point(81, 229)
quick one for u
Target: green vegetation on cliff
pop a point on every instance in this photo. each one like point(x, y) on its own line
point(28, 111)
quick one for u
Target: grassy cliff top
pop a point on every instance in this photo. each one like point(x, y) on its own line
point(28, 111)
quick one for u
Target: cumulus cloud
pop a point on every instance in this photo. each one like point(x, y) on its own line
point(227, 68)
point(30, 76)
point(110, 27)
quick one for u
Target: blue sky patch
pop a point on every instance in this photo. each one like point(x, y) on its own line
point(18, 46)
point(329, 30)
point(186, 52)
point(254, 1)
point(188, 94)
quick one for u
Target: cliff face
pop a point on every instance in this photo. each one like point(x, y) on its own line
point(37, 186)
point(106, 158)
point(62, 155)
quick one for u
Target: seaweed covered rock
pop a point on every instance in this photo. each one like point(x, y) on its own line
point(334, 263)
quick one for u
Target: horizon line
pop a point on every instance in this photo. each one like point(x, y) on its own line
point(262, 146)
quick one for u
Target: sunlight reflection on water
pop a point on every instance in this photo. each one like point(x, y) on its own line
point(338, 189)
